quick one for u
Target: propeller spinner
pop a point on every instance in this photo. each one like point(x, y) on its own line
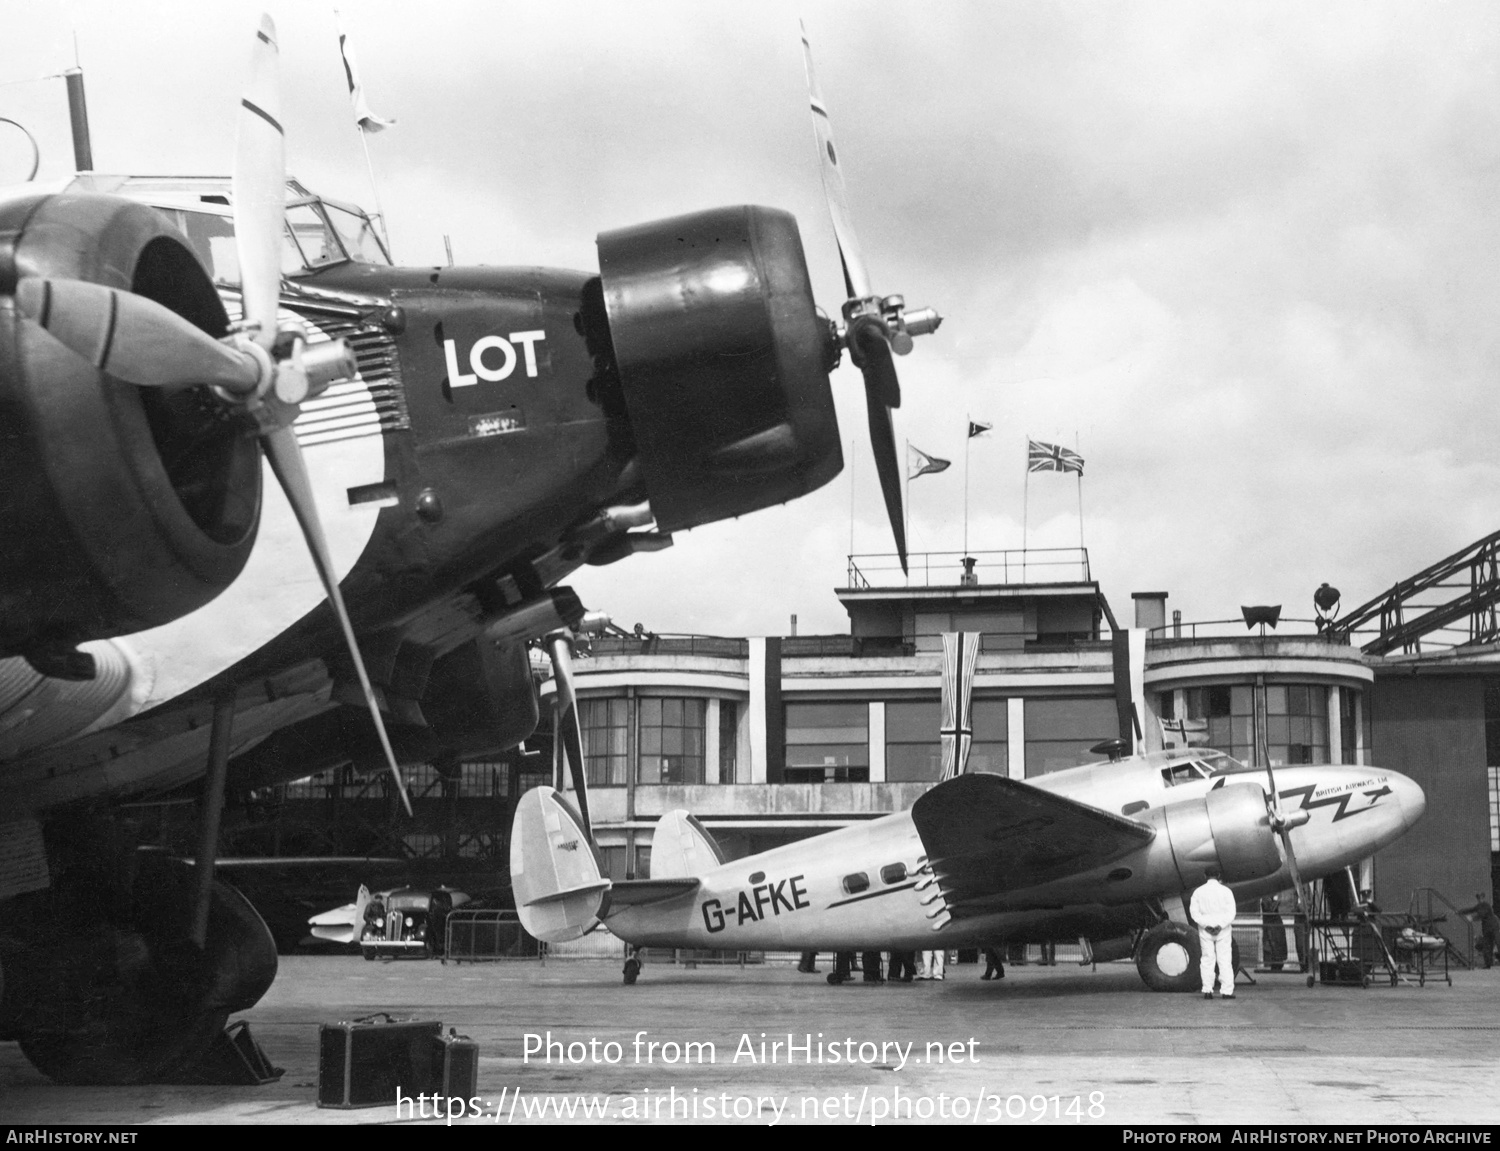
point(875, 326)
point(264, 369)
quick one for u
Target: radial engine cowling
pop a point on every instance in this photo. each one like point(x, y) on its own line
point(1229, 827)
point(125, 507)
point(723, 360)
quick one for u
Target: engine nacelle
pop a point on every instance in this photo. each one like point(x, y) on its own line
point(723, 360)
point(1229, 827)
point(125, 508)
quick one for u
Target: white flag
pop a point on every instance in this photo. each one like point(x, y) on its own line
point(366, 119)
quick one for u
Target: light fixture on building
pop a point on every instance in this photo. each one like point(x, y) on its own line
point(1326, 600)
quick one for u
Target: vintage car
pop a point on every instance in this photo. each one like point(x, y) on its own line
point(406, 922)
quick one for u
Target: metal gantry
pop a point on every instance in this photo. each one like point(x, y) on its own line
point(1462, 587)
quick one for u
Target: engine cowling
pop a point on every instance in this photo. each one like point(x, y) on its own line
point(126, 507)
point(1228, 827)
point(723, 362)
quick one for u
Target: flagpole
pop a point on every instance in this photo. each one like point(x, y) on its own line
point(853, 457)
point(968, 436)
point(906, 493)
point(1079, 449)
point(1026, 507)
point(364, 140)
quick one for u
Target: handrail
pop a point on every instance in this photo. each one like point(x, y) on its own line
point(1008, 567)
point(1430, 893)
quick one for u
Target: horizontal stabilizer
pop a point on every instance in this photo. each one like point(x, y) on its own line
point(681, 846)
point(987, 835)
point(642, 892)
point(569, 893)
point(555, 869)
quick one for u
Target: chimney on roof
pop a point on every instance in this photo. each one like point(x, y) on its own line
point(1150, 608)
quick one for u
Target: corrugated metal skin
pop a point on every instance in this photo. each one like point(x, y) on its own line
point(38, 712)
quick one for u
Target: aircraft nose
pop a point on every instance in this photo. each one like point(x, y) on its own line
point(1412, 800)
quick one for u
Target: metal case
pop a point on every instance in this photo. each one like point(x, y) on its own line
point(374, 1060)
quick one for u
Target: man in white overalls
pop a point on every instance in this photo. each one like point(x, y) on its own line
point(1213, 910)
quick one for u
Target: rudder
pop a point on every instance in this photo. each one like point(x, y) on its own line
point(555, 870)
point(681, 847)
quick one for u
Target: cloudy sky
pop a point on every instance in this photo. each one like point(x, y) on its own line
point(1244, 257)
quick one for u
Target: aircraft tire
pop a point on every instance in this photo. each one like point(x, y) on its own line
point(137, 1002)
point(1168, 958)
point(632, 970)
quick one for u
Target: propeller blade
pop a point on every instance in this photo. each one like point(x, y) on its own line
point(888, 466)
point(285, 457)
point(259, 186)
point(856, 279)
point(133, 338)
point(560, 648)
point(1283, 826)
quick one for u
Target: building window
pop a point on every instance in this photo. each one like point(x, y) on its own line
point(988, 752)
point(1229, 712)
point(616, 860)
point(1296, 723)
point(912, 753)
point(606, 740)
point(1059, 732)
point(913, 740)
point(671, 740)
point(1348, 730)
point(827, 742)
point(729, 740)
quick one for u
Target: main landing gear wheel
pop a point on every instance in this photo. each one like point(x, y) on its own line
point(1169, 956)
point(137, 1001)
point(632, 970)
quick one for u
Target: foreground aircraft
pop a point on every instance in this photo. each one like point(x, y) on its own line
point(447, 444)
point(1107, 852)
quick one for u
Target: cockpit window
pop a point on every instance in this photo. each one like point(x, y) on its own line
point(1188, 770)
point(310, 241)
point(358, 235)
point(1220, 763)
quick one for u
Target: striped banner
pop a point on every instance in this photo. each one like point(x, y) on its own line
point(960, 653)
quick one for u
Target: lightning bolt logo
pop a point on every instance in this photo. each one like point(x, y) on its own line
point(1339, 802)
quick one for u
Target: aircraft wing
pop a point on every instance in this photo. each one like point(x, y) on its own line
point(986, 836)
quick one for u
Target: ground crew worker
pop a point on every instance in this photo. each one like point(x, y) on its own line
point(1213, 910)
point(1489, 929)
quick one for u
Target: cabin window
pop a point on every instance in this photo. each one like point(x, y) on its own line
point(893, 873)
point(854, 884)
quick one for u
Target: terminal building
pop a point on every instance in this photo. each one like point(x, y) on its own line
point(768, 739)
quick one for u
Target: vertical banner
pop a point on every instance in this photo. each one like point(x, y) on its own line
point(960, 653)
point(1129, 650)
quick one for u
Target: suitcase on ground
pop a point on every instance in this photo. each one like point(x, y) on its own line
point(457, 1058)
point(372, 1061)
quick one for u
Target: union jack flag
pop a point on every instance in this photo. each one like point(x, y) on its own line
point(1052, 458)
point(960, 653)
